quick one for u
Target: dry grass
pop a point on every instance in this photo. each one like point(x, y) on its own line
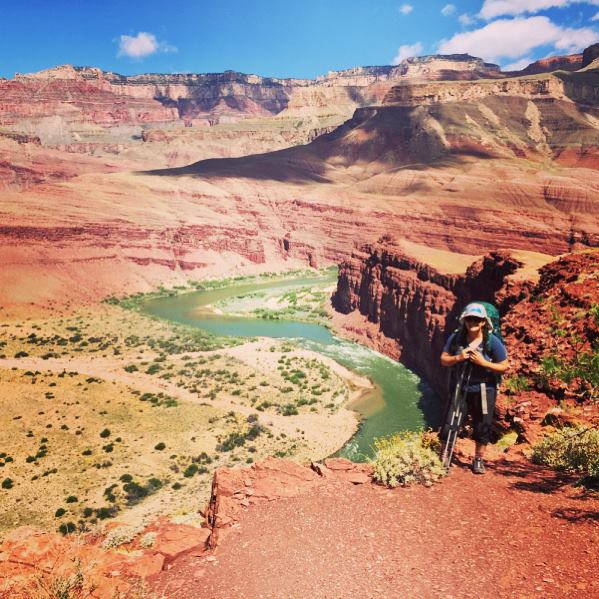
point(169, 422)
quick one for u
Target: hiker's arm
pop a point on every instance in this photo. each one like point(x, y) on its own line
point(498, 367)
point(448, 359)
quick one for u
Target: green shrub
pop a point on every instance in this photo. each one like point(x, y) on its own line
point(190, 470)
point(582, 369)
point(515, 384)
point(159, 446)
point(134, 491)
point(106, 512)
point(71, 499)
point(573, 449)
point(407, 457)
point(7, 483)
point(289, 410)
point(153, 369)
point(60, 512)
point(105, 433)
point(67, 528)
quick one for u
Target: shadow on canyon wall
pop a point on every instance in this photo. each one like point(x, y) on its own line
point(378, 139)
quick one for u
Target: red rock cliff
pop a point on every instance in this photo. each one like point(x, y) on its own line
point(552, 320)
point(412, 302)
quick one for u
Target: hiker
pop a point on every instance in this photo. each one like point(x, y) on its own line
point(475, 345)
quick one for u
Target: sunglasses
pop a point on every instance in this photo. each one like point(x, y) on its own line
point(475, 319)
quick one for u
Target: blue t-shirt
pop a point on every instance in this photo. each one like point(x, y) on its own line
point(478, 374)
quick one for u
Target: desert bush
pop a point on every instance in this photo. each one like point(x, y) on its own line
point(515, 384)
point(573, 449)
point(120, 536)
point(60, 512)
point(202, 458)
point(67, 528)
point(190, 470)
point(148, 540)
point(7, 483)
point(289, 410)
point(407, 457)
point(159, 446)
point(106, 512)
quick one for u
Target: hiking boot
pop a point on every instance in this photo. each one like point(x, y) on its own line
point(478, 466)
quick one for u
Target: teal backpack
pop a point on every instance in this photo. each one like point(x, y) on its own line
point(493, 314)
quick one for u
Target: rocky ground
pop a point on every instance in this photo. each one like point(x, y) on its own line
point(286, 531)
point(518, 531)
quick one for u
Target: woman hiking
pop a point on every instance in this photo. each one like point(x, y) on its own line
point(475, 346)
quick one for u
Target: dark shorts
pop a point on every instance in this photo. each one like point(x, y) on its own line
point(481, 423)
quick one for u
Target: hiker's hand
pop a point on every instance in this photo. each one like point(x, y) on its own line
point(477, 358)
point(465, 355)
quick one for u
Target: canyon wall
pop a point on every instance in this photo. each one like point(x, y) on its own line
point(106, 190)
point(413, 308)
point(413, 303)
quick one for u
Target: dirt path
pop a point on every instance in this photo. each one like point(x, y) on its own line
point(518, 531)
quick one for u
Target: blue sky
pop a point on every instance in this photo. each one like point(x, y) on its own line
point(284, 39)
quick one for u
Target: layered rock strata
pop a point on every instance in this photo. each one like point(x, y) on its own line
point(417, 307)
point(413, 303)
point(478, 164)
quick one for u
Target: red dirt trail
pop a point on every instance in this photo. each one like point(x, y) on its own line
point(519, 531)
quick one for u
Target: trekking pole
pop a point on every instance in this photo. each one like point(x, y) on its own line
point(457, 409)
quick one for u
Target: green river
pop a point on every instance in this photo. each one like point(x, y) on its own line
point(399, 400)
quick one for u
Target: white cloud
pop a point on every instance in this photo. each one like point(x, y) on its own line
point(142, 45)
point(496, 8)
point(406, 9)
point(518, 65)
point(466, 20)
point(448, 10)
point(406, 51)
point(514, 38)
point(595, 18)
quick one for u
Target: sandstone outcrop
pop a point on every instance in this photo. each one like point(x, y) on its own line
point(589, 55)
point(235, 490)
point(572, 62)
point(34, 563)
